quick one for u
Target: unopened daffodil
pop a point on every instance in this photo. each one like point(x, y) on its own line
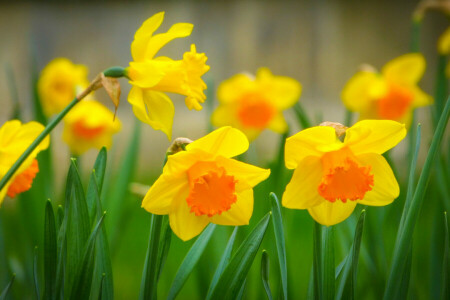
point(203, 184)
point(331, 177)
point(253, 104)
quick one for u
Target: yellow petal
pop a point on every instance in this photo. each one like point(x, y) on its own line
point(185, 224)
point(247, 175)
point(421, 98)
point(158, 41)
point(331, 213)
point(301, 192)
point(282, 91)
point(374, 136)
point(153, 108)
point(278, 123)
point(308, 142)
point(235, 87)
point(178, 163)
point(159, 197)
point(224, 115)
point(143, 34)
point(385, 188)
point(360, 91)
point(148, 73)
point(225, 141)
point(407, 69)
point(239, 213)
point(444, 42)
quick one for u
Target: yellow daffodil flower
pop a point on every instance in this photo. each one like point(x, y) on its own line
point(59, 83)
point(15, 138)
point(444, 42)
point(152, 76)
point(204, 185)
point(254, 104)
point(391, 95)
point(331, 176)
point(89, 125)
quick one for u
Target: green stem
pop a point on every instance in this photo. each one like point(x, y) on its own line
point(110, 72)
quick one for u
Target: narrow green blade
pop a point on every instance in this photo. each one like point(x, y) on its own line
point(302, 117)
point(328, 263)
point(5, 292)
point(37, 289)
point(164, 244)
point(265, 271)
point(317, 262)
point(81, 288)
point(223, 262)
point(50, 254)
point(231, 281)
point(445, 286)
point(279, 238)
point(190, 260)
point(95, 183)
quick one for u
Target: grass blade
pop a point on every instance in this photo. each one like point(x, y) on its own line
point(83, 278)
point(445, 289)
point(190, 261)
point(317, 261)
point(404, 237)
point(164, 245)
point(347, 283)
point(150, 273)
point(94, 188)
point(279, 238)
point(35, 273)
point(231, 281)
point(302, 117)
point(7, 288)
point(265, 273)
point(328, 263)
point(223, 261)
point(50, 254)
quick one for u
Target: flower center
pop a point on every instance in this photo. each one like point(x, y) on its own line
point(212, 191)
point(395, 103)
point(344, 179)
point(81, 130)
point(255, 111)
point(23, 181)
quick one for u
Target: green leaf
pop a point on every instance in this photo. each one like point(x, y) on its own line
point(404, 236)
point(445, 290)
point(50, 254)
point(150, 272)
point(328, 262)
point(164, 244)
point(348, 269)
point(223, 262)
point(7, 288)
point(403, 286)
point(230, 283)
point(95, 185)
point(301, 115)
point(240, 295)
point(265, 273)
point(279, 238)
point(77, 224)
point(190, 260)
point(35, 273)
point(317, 261)
point(81, 288)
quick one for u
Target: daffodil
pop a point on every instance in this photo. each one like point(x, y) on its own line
point(204, 185)
point(59, 83)
point(390, 95)
point(444, 48)
point(331, 177)
point(15, 138)
point(152, 76)
point(254, 104)
point(89, 125)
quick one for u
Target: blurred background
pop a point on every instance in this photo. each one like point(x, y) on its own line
point(319, 43)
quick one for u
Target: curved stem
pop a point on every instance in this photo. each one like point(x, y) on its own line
point(110, 72)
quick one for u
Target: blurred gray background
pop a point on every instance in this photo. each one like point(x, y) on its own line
point(319, 43)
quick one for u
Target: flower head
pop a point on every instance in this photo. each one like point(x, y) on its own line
point(204, 185)
point(254, 104)
point(391, 95)
point(331, 176)
point(59, 83)
point(15, 138)
point(152, 76)
point(89, 125)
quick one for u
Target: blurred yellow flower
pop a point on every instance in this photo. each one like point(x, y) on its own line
point(89, 125)
point(15, 138)
point(331, 176)
point(59, 83)
point(204, 185)
point(254, 104)
point(391, 95)
point(152, 76)
point(444, 42)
